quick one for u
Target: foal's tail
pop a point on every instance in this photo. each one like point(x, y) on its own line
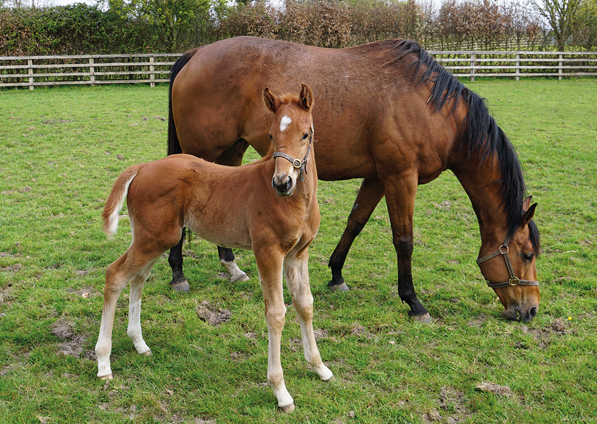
point(116, 199)
point(173, 142)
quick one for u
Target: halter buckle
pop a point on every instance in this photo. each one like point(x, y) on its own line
point(513, 281)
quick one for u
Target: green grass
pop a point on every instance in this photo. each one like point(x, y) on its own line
point(60, 151)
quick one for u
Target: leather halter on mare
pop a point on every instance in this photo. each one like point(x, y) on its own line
point(513, 281)
point(297, 163)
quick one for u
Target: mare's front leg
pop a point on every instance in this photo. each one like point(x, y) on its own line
point(296, 272)
point(369, 196)
point(400, 191)
point(269, 262)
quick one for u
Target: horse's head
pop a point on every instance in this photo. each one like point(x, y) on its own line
point(292, 136)
point(511, 271)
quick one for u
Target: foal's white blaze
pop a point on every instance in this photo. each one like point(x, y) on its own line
point(284, 122)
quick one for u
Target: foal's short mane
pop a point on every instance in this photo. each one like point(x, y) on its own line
point(481, 133)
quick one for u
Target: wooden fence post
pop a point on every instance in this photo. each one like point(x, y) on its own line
point(560, 64)
point(472, 67)
point(92, 71)
point(151, 70)
point(30, 72)
point(517, 66)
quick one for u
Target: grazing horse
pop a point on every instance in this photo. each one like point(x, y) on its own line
point(387, 112)
point(278, 225)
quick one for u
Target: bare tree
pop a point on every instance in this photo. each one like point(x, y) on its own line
point(562, 16)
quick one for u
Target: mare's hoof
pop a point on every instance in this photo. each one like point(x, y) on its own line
point(181, 286)
point(339, 288)
point(287, 409)
point(106, 377)
point(148, 353)
point(425, 318)
point(241, 278)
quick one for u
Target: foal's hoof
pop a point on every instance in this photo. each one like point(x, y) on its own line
point(330, 380)
point(287, 409)
point(425, 318)
point(339, 288)
point(180, 286)
point(106, 377)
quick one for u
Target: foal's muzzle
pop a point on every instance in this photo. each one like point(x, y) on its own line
point(283, 184)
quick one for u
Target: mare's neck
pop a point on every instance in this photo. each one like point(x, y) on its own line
point(483, 185)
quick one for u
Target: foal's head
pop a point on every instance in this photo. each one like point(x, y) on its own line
point(292, 136)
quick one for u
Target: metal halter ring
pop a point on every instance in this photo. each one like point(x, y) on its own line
point(297, 163)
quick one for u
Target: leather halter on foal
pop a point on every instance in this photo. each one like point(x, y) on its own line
point(514, 280)
point(297, 163)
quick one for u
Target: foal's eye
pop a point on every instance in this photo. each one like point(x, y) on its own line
point(306, 136)
point(527, 256)
point(270, 137)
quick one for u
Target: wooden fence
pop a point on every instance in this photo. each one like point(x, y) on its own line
point(35, 71)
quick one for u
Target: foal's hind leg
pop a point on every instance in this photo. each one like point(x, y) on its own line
point(297, 278)
point(370, 193)
point(128, 266)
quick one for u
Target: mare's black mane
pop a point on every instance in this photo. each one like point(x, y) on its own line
point(481, 134)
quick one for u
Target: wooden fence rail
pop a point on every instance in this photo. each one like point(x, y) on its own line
point(35, 71)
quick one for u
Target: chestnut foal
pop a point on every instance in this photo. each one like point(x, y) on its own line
point(277, 223)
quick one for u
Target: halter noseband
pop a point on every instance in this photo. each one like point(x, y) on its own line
point(513, 281)
point(297, 163)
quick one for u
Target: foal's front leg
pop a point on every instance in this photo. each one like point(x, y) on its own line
point(296, 272)
point(270, 277)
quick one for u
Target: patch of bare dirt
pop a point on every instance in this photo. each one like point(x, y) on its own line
point(452, 399)
point(212, 315)
point(12, 268)
point(72, 344)
point(494, 388)
point(85, 292)
point(478, 322)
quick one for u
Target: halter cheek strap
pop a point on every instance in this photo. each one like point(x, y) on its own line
point(513, 281)
point(297, 163)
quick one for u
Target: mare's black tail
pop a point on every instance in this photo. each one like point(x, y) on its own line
point(173, 143)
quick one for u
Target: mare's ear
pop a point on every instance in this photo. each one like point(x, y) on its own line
point(306, 97)
point(526, 204)
point(528, 215)
point(270, 100)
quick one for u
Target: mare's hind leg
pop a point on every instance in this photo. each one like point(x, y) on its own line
point(370, 194)
point(179, 281)
point(233, 156)
point(296, 272)
point(128, 266)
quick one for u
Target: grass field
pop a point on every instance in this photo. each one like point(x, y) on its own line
point(60, 151)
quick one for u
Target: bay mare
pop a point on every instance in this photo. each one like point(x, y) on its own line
point(278, 223)
point(387, 112)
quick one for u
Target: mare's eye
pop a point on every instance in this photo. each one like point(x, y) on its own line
point(527, 256)
point(270, 136)
point(306, 136)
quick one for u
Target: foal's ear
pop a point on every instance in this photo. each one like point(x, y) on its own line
point(306, 97)
point(528, 215)
point(270, 100)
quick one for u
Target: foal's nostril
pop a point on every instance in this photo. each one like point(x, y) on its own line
point(533, 312)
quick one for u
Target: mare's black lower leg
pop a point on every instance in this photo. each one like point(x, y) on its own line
point(406, 289)
point(179, 281)
point(370, 193)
